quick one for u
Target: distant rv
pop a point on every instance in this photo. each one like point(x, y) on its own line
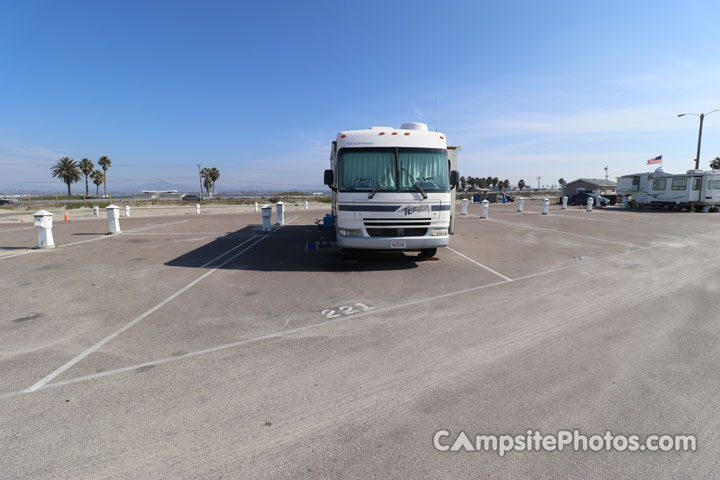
point(157, 193)
point(696, 188)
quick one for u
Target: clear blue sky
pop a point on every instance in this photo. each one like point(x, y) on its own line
point(557, 89)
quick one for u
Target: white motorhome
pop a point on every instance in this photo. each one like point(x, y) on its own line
point(660, 189)
point(393, 189)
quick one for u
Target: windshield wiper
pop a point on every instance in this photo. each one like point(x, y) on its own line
point(415, 183)
point(377, 187)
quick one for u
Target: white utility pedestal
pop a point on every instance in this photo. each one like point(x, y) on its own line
point(43, 222)
point(463, 210)
point(113, 215)
point(546, 206)
point(485, 208)
point(590, 204)
point(256, 206)
point(266, 214)
point(564, 202)
point(307, 206)
point(280, 213)
point(625, 202)
point(521, 204)
point(197, 208)
point(127, 210)
point(96, 211)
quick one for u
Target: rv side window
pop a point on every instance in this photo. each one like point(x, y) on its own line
point(679, 184)
point(659, 184)
point(712, 184)
point(636, 181)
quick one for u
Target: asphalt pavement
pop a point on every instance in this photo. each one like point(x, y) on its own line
point(196, 346)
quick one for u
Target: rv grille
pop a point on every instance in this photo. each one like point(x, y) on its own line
point(385, 222)
point(397, 232)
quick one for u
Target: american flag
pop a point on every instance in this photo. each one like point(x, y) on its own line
point(655, 160)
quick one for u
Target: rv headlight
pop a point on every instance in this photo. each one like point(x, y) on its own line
point(350, 232)
point(439, 232)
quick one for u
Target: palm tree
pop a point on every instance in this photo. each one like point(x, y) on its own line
point(66, 169)
point(213, 175)
point(521, 184)
point(495, 181)
point(98, 178)
point(715, 164)
point(105, 163)
point(506, 184)
point(207, 183)
point(205, 175)
point(562, 181)
point(86, 167)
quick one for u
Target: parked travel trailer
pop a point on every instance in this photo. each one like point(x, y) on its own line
point(393, 189)
point(696, 188)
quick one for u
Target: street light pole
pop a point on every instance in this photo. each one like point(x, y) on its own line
point(200, 175)
point(702, 118)
point(697, 157)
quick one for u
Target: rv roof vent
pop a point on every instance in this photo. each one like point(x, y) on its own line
point(659, 170)
point(414, 126)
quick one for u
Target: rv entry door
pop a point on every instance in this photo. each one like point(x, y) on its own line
point(695, 189)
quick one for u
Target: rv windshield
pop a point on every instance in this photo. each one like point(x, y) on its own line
point(370, 169)
point(428, 167)
point(364, 170)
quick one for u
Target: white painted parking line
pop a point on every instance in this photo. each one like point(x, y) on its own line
point(138, 319)
point(480, 264)
point(16, 229)
point(99, 237)
point(597, 239)
point(151, 227)
point(3, 257)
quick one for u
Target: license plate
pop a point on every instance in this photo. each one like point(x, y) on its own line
point(397, 243)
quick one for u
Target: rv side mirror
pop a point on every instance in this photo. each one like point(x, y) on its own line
point(329, 177)
point(454, 178)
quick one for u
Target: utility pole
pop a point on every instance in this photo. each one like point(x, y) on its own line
point(538, 179)
point(200, 175)
point(606, 173)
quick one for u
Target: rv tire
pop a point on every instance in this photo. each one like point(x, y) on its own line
point(428, 252)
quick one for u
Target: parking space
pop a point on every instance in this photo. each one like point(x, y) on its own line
point(198, 345)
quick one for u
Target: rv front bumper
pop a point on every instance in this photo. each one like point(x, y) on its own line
point(390, 243)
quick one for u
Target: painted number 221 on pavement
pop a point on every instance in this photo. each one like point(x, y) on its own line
point(336, 312)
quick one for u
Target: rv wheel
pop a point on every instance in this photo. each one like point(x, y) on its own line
point(428, 252)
